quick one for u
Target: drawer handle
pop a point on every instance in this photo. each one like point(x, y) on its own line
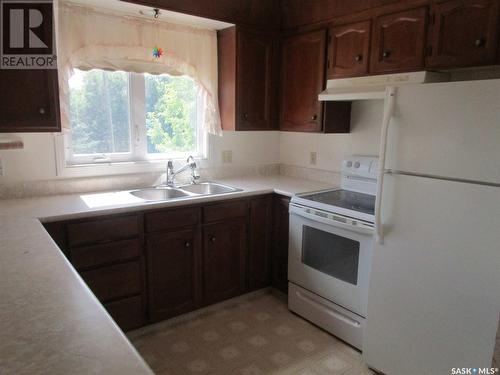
point(212, 239)
point(480, 42)
point(386, 54)
point(359, 57)
point(187, 244)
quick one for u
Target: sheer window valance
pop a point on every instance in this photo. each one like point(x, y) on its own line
point(89, 39)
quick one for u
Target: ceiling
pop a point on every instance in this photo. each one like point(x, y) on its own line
point(147, 12)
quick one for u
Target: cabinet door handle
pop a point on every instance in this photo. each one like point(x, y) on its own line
point(212, 239)
point(480, 42)
point(41, 110)
point(359, 57)
point(187, 244)
point(314, 117)
point(245, 116)
point(386, 54)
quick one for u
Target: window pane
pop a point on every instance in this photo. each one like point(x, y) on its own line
point(99, 110)
point(171, 115)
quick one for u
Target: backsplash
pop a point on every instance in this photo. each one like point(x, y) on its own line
point(125, 182)
point(133, 181)
point(310, 174)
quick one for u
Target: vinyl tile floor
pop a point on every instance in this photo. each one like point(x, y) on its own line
point(250, 335)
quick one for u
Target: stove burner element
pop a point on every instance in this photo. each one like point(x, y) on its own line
point(350, 200)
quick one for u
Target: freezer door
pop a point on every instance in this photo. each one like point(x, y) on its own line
point(434, 296)
point(447, 129)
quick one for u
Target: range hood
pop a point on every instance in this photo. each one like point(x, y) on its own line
point(373, 87)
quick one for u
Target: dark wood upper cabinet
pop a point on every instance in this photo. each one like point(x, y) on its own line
point(304, 12)
point(174, 279)
point(255, 83)
point(247, 79)
point(349, 50)
point(224, 252)
point(399, 41)
point(29, 101)
point(302, 79)
point(463, 33)
point(260, 242)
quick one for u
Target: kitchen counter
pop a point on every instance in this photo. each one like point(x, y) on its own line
point(50, 321)
point(72, 206)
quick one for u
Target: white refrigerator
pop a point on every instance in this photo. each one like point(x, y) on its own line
point(434, 295)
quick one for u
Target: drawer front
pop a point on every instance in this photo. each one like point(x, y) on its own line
point(115, 282)
point(128, 313)
point(175, 218)
point(102, 231)
point(99, 255)
point(225, 211)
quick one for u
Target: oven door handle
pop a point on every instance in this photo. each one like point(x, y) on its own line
point(358, 228)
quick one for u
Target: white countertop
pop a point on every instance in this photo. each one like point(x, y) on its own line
point(71, 206)
point(50, 322)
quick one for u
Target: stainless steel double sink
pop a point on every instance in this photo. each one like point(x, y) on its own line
point(164, 193)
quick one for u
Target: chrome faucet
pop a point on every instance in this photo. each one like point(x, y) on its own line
point(190, 163)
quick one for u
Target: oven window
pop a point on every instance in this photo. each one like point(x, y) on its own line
point(331, 254)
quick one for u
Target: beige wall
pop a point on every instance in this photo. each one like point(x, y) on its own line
point(37, 162)
point(366, 121)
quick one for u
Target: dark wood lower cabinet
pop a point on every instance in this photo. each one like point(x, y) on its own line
point(115, 282)
point(260, 242)
point(174, 265)
point(128, 313)
point(162, 263)
point(224, 252)
point(280, 249)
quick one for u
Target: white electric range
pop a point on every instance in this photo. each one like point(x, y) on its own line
point(330, 251)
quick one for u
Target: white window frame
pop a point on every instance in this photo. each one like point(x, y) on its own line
point(138, 138)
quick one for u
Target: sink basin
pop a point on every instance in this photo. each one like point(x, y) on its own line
point(160, 194)
point(167, 193)
point(208, 188)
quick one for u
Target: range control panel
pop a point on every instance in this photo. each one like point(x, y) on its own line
point(360, 166)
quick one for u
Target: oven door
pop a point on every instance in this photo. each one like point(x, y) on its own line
point(330, 255)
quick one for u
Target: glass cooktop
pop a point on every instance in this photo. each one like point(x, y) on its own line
point(350, 200)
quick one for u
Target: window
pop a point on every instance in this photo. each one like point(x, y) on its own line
point(119, 116)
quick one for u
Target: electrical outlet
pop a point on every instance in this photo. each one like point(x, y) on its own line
point(313, 158)
point(227, 156)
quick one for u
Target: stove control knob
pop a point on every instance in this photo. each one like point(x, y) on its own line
point(349, 164)
point(356, 165)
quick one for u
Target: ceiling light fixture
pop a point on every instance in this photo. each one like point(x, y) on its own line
point(155, 13)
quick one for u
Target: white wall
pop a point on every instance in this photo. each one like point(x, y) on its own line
point(366, 121)
point(37, 160)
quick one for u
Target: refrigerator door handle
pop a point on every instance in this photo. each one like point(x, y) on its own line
point(390, 99)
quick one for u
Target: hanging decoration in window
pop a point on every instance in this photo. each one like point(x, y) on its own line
point(95, 39)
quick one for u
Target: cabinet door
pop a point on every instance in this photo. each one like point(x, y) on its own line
point(399, 41)
point(349, 50)
point(259, 252)
point(302, 79)
point(255, 81)
point(29, 101)
point(280, 250)
point(224, 251)
point(465, 32)
point(173, 273)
